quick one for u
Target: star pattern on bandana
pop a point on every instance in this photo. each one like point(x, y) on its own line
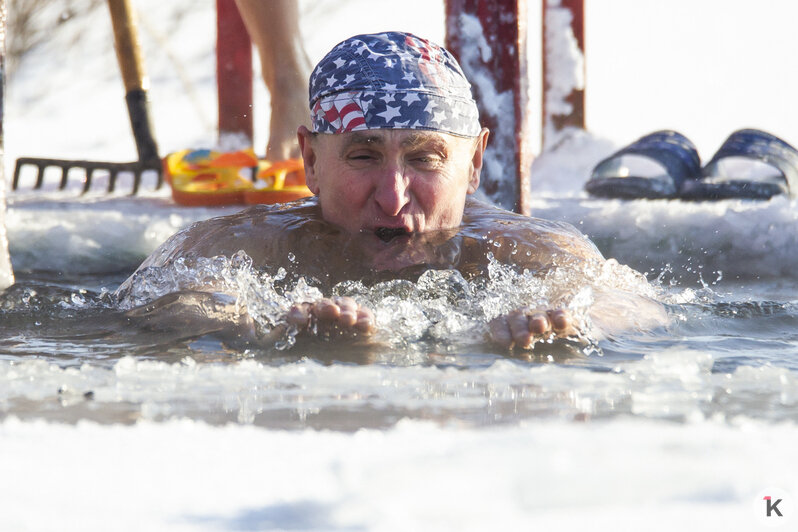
point(401, 81)
point(390, 113)
point(411, 97)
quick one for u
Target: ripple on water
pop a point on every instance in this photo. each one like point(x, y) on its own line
point(66, 354)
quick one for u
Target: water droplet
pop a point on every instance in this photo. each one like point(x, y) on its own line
point(78, 300)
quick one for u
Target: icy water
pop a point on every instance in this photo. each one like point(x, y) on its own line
point(686, 426)
point(68, 352)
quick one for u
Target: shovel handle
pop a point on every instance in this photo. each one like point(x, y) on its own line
point(126, 42)
point(128, 52)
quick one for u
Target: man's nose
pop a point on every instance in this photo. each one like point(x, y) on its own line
point(391, 192)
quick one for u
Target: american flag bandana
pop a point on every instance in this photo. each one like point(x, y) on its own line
point(391, 80)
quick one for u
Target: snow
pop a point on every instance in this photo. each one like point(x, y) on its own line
point(184, 476)
point(703, 68)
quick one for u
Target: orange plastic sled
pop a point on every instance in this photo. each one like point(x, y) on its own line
point(211, 178)
point(278, 182)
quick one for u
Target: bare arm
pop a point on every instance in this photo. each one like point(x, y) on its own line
point(558, 251)
point(190, 314)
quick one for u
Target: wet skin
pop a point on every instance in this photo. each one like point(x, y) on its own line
point(521, 328)
point(297, 239)
point(392, 180)
point(389, 203)
point(401, 182)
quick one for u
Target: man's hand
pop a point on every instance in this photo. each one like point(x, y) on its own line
point(332, 316)
point(522, 328)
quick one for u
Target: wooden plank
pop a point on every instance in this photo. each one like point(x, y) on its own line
point(233, 71)
point(489, 39)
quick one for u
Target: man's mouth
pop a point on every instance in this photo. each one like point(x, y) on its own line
point(388, 233)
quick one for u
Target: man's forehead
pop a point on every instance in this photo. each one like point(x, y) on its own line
point(403, 137)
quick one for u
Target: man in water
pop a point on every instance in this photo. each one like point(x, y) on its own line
point(394, 153)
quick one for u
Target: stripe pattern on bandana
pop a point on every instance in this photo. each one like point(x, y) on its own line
point(391, 80)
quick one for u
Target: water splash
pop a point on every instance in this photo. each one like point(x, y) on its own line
point(439, 307)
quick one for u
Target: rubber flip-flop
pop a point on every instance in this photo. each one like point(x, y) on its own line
point(720, 180)
point(676, 161)
point(278, 182)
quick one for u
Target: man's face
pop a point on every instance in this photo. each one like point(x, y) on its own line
point(392, 181)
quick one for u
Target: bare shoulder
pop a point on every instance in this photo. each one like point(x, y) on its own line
point(255, 230)
point(526, 238)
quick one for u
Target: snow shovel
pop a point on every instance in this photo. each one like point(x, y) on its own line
point(129, 56)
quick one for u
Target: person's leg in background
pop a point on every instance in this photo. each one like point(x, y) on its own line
point(273, 26)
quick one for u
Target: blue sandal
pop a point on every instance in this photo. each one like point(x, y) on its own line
point(751, 164)
point(655, 166)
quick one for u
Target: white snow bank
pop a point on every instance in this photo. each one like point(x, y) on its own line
point(184, 476)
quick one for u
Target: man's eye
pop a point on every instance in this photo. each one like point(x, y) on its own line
point(361, 156)
point(427, 159)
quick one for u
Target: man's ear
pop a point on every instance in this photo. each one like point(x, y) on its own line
point(305, 138)
point(477, 159)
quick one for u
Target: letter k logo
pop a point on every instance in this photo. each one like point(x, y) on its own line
point(772, 506)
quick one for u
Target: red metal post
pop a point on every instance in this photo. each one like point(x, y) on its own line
point(233, 71)
point(563, 66)
point(489, 39)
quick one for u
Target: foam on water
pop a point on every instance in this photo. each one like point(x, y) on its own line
point(441, 308)
point(431, 361)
